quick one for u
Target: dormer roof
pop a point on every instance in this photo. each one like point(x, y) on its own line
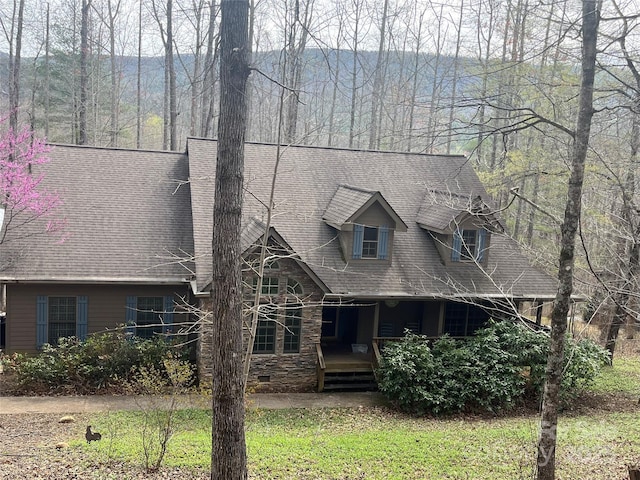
point(349, 202)
point(442, 211)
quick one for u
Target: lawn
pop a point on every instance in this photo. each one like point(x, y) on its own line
point(596, 440)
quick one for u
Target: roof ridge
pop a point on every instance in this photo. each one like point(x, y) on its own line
point(116, 149)
point(344, 149)
point(359, 189)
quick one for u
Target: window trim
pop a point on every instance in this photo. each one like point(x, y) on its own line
point(459, 250)
point(359, 241)
point(267, 321)
point(292, 333)
point(42, 317)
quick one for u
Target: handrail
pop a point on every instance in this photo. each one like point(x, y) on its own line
point(377, 356)
point(320, 356)
point(320, 367)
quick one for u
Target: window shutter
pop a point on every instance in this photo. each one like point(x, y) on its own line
point(167, 316)
point(81, 318)
point(41, 320)
point(131, 315)
point(358, 234)
point(457, 246)
point(384, 240)
point(482, 240)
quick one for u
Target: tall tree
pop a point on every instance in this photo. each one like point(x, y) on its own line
point(139, 80)
point(228, 452)
point(546, 460)
point(170, 109)
point(209, 81)
point(84, 73)
point(13, 34)
point(376, 96)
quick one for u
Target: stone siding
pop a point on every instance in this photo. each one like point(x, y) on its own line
point(276, 372)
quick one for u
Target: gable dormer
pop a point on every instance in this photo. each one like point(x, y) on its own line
point(460, 225)
point(366, 223)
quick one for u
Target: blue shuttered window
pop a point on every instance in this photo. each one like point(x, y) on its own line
point(383, 240)
point(358, 233)
point(81, 319)
point(457, 246)
point(42, 310)
point(473, 242)
point(78, 312)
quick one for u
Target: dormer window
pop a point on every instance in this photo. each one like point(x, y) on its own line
point(468, 245)
point(370, 242)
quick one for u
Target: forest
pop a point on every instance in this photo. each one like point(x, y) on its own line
point(495, 80)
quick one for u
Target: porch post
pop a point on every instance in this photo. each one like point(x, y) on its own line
point(376, 319)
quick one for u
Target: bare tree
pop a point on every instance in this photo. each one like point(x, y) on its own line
point(378, 80)
point(84, 74)
point(228, 452)
point(549, 417)
point(170, 106)
point(208, 87)
point(13, 35)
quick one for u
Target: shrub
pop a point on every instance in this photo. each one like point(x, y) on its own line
point(104, 361)
point(498, 367)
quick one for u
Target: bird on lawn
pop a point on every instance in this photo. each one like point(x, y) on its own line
point(91, 436)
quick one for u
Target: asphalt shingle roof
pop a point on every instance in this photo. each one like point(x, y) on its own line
point(128, 219)
point(133, 217)
point(306, 184)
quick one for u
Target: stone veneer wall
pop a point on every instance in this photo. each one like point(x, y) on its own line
point(279, 371)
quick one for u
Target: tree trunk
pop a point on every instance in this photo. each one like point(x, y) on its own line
point(549, 418)
point(84, 75)
point(228, 448)
point(15, 56)
point(173, 108)
point(139, 81)
point(47, 81)
point(208, 89)
point(454, 80)
point(376, 95)
point(115, 82)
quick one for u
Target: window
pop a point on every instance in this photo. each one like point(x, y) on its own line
point(147, 316)
point(292, 329)
point(59, 317)
point(62, 318)
point(468, 245)
point(269, 285)
point(265, 341)
point(294, 287)
point(463, 320)
point(370, 242)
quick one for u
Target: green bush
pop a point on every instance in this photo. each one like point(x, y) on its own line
point(498, 367)
point(107, 360)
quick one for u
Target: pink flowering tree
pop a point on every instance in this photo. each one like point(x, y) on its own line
point(22, 198)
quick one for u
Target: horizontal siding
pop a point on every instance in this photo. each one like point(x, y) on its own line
point(106, 307)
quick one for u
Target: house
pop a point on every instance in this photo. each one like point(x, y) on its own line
point(362, 246)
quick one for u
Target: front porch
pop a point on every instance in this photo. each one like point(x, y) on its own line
point(353, 335)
